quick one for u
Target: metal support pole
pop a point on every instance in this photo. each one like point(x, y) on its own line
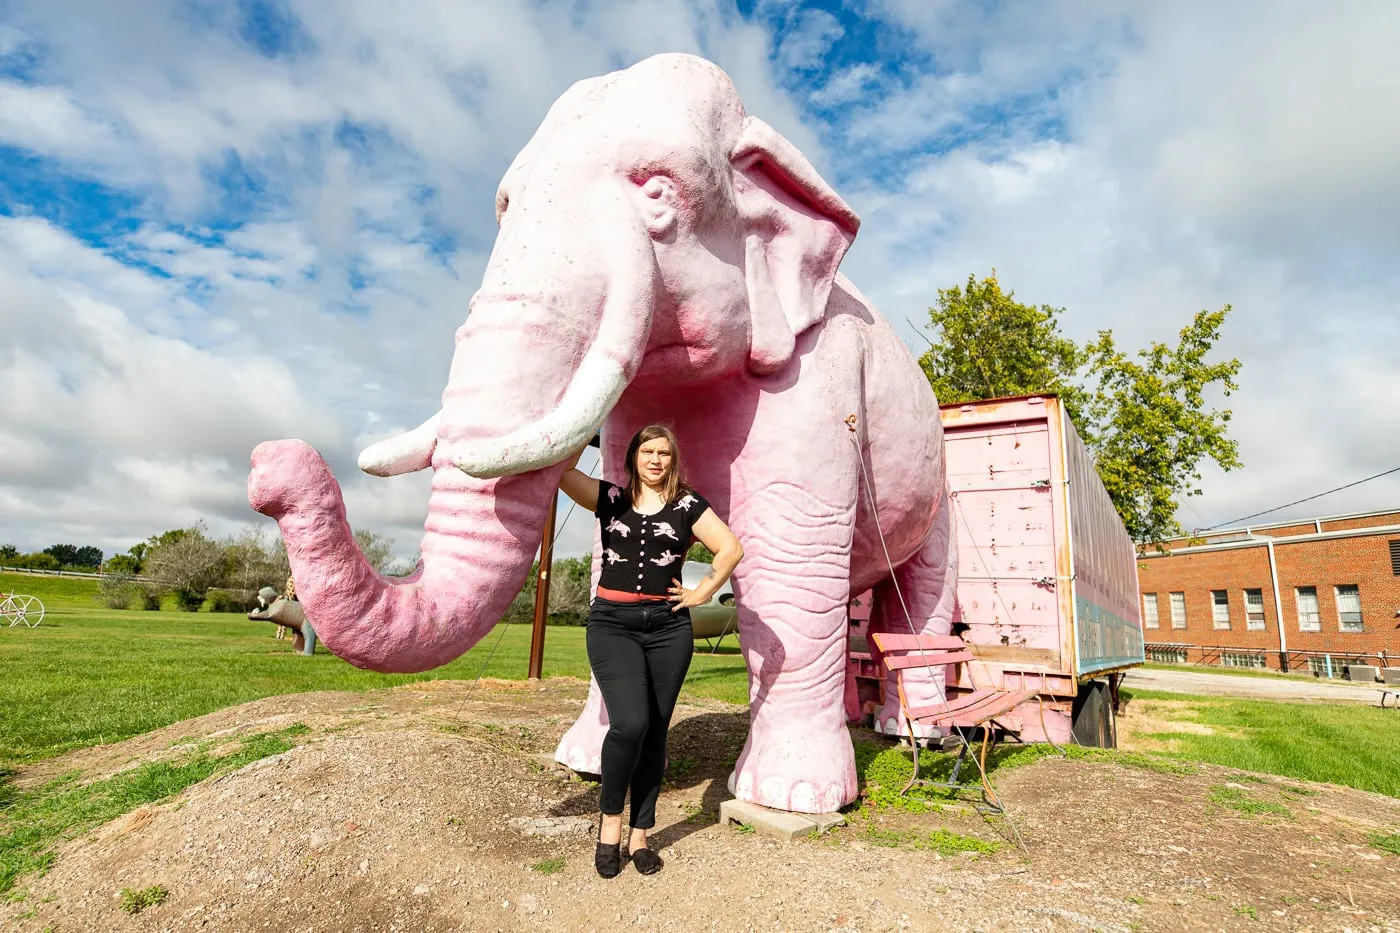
point(542, 593)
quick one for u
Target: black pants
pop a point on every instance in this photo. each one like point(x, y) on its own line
point(640, 653)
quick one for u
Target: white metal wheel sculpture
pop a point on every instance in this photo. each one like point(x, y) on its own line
point(21, 610)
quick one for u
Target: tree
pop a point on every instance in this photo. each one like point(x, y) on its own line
point(1144, 417)
point(1152, 426)
point(249, 564)
point(122, 564)
point(63, 553)
point(378, 550)
point(698, 552)
point(8, 552)
point(991, 346)
point(187, 563)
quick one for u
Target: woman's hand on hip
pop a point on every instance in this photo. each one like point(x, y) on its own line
point(682, 598)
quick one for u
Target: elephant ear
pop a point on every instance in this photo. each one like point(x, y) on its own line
point(796, 231)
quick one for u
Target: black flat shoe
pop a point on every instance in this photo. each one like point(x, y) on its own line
point(608, 859)
point(647, 861)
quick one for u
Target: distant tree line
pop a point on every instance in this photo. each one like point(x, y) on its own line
point(53, 557)
point(189, 566)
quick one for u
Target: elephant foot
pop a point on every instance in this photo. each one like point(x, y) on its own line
point(290, 473)
point(921, 688)
point(799, 771)
point(581, 748)
point(887, 721)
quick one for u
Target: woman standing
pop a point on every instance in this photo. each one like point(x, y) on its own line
point(639, 636)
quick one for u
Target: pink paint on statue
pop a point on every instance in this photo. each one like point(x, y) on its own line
point(662, 257)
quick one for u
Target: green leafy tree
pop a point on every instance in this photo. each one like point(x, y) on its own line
point(1145, 416)
point(992, 346)
point(63, 553)
point(8, 552)
point(698, 552)
point(122, 564)
point(1153, 427)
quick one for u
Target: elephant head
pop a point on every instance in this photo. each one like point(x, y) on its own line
point(650, 233)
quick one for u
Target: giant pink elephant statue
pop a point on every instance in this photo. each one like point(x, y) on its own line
point(661, 257)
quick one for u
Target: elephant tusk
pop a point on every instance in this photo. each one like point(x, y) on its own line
point(597, 385)
point(404, 453)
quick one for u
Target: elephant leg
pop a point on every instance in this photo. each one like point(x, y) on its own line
point(298, 642)
point(309, 636)
point(581, 748)
point(928, 584)
point(793, 634)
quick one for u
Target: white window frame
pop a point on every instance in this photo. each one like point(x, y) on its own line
point(1177, 601)
point(1254, 618)
point(1353, 625)
point(1242, 659)
point(1151, 617)
point(1306, 624)
point(1220, 609)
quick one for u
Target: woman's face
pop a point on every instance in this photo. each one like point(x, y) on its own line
point(654, 460)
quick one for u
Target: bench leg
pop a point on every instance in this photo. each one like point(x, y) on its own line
point(913, 751)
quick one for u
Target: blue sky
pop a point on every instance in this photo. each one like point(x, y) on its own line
point(225, 222)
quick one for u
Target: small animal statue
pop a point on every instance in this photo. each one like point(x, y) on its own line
point(288, 614)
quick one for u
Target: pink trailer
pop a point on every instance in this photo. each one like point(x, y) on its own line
point(1047, 579)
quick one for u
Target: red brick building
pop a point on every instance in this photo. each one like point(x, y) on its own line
point(1216, 598)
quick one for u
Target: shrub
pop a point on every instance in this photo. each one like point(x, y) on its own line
point(188, 600)
point(230, 600)
point(118, 590)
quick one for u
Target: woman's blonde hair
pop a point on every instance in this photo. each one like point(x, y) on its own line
point(672, 485)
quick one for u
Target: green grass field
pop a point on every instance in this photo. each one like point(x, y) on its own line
point(89, 675)
point(1337, 743)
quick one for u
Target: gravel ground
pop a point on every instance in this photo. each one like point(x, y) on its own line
point(431, 808)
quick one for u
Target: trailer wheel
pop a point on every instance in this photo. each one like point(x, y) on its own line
point(1092, 719)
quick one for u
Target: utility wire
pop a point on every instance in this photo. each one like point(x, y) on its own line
point(1236, 521)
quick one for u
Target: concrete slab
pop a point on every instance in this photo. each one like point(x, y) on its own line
point(780, 824)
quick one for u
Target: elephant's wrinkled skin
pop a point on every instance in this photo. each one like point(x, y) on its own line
point(661, 257)
point(287, 613)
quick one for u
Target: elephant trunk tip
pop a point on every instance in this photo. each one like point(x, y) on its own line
point(287, 474)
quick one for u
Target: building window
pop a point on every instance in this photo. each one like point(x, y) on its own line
point(1395, 557)
point(1308, 619)
point(1167, 655)
point(1149, 611)
point(1178, 604)
point(1220, 608)
point(1349, 607)
point(1254, 610)
point(1230, 659)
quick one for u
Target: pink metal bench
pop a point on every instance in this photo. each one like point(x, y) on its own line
point(978, 709)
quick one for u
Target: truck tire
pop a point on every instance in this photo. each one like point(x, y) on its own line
point(1092, 720)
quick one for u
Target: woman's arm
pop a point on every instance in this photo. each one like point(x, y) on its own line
point(579, 486)
point(715, 535)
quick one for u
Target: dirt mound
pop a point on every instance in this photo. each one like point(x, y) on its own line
point(431, 808)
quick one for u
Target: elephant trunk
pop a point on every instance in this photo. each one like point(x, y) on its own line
point(480, 538)
point(532, 379)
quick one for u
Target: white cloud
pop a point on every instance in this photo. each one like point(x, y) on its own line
point(321, 301)
point(46, 120)
point(1204, 156)
point(1133, 169)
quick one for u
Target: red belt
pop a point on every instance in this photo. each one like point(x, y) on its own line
point(618, 596)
